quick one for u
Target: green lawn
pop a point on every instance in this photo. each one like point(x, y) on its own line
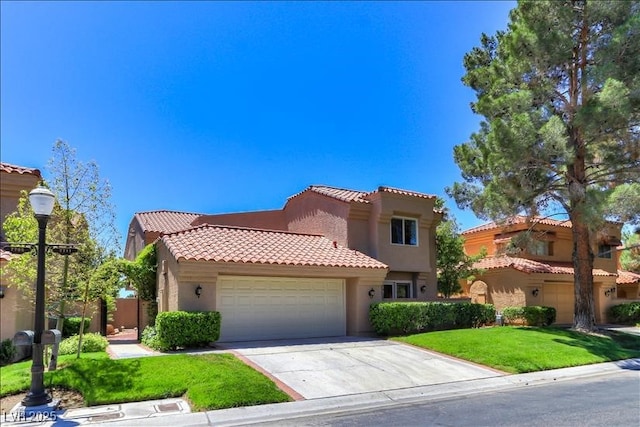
point(528, 349)
point(210, 381)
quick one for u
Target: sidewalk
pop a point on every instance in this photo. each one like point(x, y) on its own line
point(173, 412)
point(125, 345)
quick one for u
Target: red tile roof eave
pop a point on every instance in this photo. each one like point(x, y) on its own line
point(528, 266)
point(229, 244)
point(627, 278)
point(221, 261)
point(385, 189)
point(235, 227)
point(9, 168)
point(520, 219)
point(317, 188)
point(357, 196)
point(149, 219)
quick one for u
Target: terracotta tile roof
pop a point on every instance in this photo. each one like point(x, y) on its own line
point(518, 219)
point(255, 246)
point(165, 221)
point(383, 189)
point(342, 194)
point(9, 168)
point(627, 278)
point(346, 195)
point(530, 266)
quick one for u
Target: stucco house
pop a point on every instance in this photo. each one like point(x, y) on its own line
point(16, 312)
point(541, 272)
point(310, 269)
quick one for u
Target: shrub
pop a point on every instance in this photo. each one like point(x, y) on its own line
point(389, 318)
point(469, 315)
point(626, 314)
point(91, 343)
point(71, 326)
point(7, 352)
point(531, 315)
point(182, 329)
point(150, 338)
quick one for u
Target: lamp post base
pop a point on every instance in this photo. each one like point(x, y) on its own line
point(40, 399)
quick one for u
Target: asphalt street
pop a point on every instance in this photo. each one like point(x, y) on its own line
point(607, 400)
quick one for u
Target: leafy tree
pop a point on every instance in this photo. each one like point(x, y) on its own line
point(630, 255)
point(624, 203)
point(559, 92)
point(142, 274)
point(81, 194)
point(452, 262)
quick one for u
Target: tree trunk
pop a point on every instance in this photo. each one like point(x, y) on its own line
point(584, 307)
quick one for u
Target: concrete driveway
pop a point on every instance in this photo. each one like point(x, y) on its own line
point(316, 368)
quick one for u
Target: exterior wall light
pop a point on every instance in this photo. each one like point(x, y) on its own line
point(2, 289)
point(423, 288)
point(535, 292)
point(372, 292)
point(198, 291)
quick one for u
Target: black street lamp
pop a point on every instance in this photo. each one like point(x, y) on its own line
point(42, 201)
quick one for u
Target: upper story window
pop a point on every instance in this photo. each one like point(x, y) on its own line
point(604, 251)
point(540, 247)
point(404, 231)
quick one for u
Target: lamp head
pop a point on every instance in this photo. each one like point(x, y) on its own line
point(42, 200)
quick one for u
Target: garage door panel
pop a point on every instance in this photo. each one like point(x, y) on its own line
point(254, 308)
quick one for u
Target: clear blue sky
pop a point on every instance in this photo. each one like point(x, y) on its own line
point(232, 106)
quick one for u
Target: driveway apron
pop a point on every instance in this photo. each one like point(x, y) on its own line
point(317, 368)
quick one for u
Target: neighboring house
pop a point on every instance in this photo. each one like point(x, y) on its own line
point(541, 270)
point(310, 269)
point(16, 313)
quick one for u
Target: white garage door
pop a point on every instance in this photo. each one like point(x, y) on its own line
point(561, 297)
point(257, 308)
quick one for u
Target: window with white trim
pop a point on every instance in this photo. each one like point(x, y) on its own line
point(398, 290)
point(404, 231)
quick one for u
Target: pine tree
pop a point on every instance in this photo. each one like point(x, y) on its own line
point(559, 92)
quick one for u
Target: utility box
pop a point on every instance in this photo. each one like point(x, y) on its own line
point(51, 336)
point(23, 338)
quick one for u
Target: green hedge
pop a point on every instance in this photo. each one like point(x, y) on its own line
point(626, 314)
point(182, 329)
point(392, 318)
point(532, 315)
point(71, 326)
